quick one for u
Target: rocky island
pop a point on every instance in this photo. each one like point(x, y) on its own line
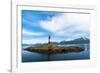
point(53, 49)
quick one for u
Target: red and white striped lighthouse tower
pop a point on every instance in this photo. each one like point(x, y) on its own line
point(49, 39)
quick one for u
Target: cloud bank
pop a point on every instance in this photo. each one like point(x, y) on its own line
point(67, 23)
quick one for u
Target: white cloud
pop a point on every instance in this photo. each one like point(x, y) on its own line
point(54, 24)
point(67, 23)
point(30, 33)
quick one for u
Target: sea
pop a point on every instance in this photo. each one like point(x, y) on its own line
point(38, 57)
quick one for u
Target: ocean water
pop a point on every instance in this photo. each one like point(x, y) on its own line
point(36, 57)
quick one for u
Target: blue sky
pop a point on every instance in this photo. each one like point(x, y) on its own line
point(38, 25)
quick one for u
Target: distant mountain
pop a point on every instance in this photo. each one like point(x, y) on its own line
point(81, 40)
point(25, 44)
point(32, 44)
point(76, 41)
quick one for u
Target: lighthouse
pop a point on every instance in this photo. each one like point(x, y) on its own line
point(49, 39)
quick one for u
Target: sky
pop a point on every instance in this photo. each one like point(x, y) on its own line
point(38, 25)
